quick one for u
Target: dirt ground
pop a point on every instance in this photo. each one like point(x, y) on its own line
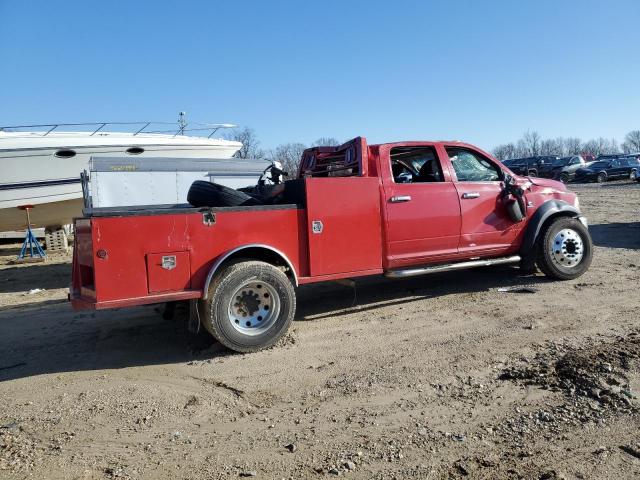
point(442, 376)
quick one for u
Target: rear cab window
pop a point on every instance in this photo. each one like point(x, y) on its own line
point(415, 165)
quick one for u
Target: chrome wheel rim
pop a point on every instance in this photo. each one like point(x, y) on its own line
point(254, 307)
point(567, 248)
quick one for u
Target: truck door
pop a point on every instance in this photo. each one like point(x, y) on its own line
point(619, 168)
point(343, 210)
point(421, 203)
point(486, 225)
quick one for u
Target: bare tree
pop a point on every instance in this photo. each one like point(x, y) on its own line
point(505, 151)
point(572, 146)
point(599, 146)
point(250, 143)
point(530, 143)
point(552, 146)
point(289, 154)
point(632, 141)
point(326, 142)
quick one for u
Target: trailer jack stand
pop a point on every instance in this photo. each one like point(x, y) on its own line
point(30, 241)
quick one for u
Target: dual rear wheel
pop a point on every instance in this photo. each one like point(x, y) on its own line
point(250, 306)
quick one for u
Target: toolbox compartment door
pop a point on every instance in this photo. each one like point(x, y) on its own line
point(343, 222)
point(168, 271)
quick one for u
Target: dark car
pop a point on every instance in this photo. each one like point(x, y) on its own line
point(603, 170)
point(564, 169)
point(530, 166)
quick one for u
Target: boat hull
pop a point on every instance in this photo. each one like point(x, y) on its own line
point(36, 176)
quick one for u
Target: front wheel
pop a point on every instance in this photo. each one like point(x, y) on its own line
point(564, 249)
point(250, 306)
point(564, 177)
point(633, 175)
point(601, 178)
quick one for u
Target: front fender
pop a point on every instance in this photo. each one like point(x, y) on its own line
point(549, 209)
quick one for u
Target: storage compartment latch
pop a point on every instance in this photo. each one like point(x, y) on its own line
point(208, 218)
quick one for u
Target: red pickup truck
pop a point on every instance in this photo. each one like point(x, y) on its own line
point(398, 209)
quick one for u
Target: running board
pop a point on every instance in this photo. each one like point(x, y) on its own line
point(412, 272)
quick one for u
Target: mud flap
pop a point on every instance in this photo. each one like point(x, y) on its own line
point(193, 324)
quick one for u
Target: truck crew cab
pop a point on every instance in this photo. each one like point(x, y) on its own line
point(398, 209)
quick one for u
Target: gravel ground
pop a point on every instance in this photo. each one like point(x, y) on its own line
point(441, 376)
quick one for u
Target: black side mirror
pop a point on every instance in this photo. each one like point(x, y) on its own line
point(508, 179)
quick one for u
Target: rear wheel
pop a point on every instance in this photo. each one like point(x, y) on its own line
point(250, 306)
point(601, 178)
point(564, 249)
point(633, 175)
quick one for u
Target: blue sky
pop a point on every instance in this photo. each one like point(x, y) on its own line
point(479, 71)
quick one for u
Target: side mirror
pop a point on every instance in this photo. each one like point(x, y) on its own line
point(508, 179)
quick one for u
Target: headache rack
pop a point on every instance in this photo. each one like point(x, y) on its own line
point(341, 161)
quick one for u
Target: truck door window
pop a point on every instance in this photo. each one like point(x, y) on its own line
point(471, 167)
point(415, 165)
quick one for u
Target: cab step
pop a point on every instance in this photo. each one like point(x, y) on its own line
point(486, 262)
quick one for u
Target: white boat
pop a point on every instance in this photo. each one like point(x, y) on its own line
point(42, 168)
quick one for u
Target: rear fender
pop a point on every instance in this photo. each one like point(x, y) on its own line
point(548, 210)
point(260, 252)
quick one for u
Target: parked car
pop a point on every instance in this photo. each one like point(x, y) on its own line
point(634, 161)
point(346, 215)
point(529, 166)
point(613, 169)
point(564, 169)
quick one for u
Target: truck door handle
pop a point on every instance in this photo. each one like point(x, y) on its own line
point(401, 198)
point(470, 195)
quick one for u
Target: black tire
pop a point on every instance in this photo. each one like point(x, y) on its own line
point(218, 321)
point(532, 173)
point(633, 175)
point(564, 177)
point(601, 178)
point(207, 194)
point(545, 259)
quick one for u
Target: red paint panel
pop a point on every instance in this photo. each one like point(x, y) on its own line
point(426, 226)
point(169, 271)
point(485, 221)
point(349, 211)
point(122, 274)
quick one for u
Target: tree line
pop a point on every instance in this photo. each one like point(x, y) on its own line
point(288, 154)
point(532, 144)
